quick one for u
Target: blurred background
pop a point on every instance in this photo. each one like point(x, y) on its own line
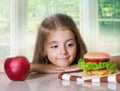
point(97, 20)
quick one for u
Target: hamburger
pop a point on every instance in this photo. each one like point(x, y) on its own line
point(97, 63)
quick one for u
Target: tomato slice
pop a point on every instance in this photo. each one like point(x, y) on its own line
point(96, 60)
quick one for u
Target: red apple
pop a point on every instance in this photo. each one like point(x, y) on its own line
point(17, 68)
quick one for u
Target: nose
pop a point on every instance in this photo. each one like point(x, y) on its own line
point(63, 50)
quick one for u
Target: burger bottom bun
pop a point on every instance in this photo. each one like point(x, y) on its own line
point(99, 72)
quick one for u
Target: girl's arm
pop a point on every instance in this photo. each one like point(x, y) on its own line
point(117, 60)
point(45, 68)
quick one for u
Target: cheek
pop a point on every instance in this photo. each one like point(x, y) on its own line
point(51, 55)
point(73, 54)
point(73, 51)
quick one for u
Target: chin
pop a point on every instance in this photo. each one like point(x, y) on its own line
point(63, 65)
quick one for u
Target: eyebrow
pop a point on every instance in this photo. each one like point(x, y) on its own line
point(70, 40)
point(52, 42)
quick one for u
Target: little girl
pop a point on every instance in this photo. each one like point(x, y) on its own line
point(59, 45)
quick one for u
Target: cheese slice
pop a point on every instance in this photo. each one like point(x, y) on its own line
point(99, 72)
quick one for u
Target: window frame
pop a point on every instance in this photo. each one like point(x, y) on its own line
point(88, 23)
point(18, 25)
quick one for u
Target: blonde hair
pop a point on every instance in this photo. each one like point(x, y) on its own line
point(51, 23)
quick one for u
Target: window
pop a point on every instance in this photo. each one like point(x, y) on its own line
point(100, 24)
point(4, 28)
point(109, 26)
point(98, 21)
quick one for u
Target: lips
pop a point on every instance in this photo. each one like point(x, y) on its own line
point(63, 58)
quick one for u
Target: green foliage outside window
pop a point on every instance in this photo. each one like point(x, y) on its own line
point(109, 9)
point(39, 9)
point(109, 19)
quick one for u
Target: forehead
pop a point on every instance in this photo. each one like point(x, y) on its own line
point(60, 35)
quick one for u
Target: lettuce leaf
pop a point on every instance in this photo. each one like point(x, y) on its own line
point(94, 66)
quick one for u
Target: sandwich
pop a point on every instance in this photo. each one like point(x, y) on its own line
point(97, 63)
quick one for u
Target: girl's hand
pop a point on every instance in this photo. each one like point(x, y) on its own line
point(55, 69)
point(72, 68)
point(45, 68)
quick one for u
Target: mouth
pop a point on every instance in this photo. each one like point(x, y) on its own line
point(63, 58)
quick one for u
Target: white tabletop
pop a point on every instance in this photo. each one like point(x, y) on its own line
point(50, 82)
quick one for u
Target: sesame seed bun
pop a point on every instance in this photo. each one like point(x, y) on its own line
point(96, 55)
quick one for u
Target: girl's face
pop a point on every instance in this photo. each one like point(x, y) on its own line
point(61, 47)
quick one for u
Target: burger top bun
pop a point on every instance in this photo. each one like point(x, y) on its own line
point(96, 55)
